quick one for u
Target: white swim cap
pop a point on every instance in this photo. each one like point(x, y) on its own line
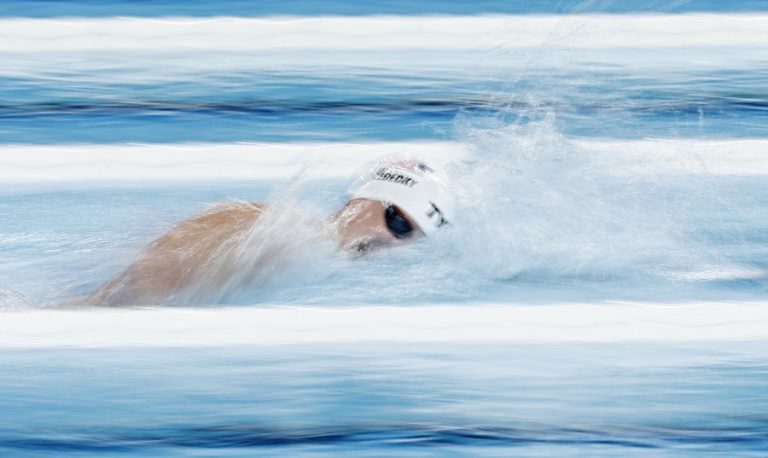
point(412, 186)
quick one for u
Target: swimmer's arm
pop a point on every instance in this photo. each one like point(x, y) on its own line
point(177, 258)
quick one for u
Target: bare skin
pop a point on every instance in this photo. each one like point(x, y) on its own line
point(362, 228)
point(174, 260)
point(182, 257)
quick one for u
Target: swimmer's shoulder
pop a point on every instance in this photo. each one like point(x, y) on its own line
point(218, 222)
point(237, 206)
point(231, 213)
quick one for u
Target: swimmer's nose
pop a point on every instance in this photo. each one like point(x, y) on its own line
point(363, 247)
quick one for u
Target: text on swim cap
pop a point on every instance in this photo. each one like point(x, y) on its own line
point(384, 175)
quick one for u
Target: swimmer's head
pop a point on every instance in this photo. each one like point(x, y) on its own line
point(399, 200)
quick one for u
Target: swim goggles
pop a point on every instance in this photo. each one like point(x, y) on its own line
point(397, 224)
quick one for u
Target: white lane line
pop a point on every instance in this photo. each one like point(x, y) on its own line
point(243, 161)
point(699, 322)
point(379, 32)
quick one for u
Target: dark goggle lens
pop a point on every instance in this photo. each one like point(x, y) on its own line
point(396, 222)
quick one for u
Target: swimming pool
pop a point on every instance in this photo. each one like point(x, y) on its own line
point(603, 292)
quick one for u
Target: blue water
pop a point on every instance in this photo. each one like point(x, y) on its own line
point(151, 8)
point(337, 96)
point(542, 222)
point(435, 400)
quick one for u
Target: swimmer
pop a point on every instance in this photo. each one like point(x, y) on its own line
point(398, 202)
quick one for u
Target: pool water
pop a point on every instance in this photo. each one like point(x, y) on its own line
point(602, 154)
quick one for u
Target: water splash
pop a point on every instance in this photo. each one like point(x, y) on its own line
point(538, 204)
point(11, 300)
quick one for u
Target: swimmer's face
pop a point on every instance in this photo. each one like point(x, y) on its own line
point(366, 225)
